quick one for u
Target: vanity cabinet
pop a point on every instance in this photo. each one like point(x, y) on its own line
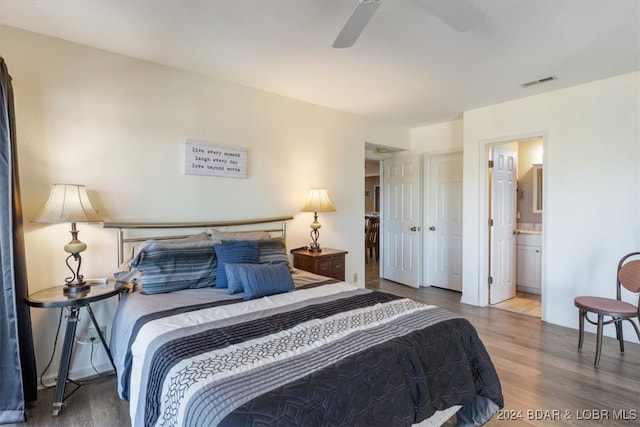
point(528, 262)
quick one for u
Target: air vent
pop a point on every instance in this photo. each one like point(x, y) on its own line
point(537, 82)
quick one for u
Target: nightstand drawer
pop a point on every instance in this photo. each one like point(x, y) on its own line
point(327, 262)
point(324, 267)
point(337, 266)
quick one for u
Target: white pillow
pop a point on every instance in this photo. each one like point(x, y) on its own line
point(218, 236)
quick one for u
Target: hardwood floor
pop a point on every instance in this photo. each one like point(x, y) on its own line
point(522, 303)
point(95, 404)
point(541, 371)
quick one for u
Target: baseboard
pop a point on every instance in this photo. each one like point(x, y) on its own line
point(528, 289)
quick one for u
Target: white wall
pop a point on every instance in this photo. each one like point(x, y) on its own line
point(118, 124)
point(437, 138)
point(591, 195)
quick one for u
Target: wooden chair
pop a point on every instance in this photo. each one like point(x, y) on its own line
point(616, 310)
point(371, 240)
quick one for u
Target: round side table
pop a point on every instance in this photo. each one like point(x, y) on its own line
point(55, 298)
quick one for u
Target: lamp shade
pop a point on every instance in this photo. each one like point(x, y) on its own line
point(68, 203)
point(318, 201)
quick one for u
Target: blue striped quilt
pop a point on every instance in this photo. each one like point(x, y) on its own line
point(324, 355)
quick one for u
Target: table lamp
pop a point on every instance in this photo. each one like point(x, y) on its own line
point(70, 203)
point(318, 202)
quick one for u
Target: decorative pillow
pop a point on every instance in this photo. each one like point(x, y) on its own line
point(126, 264)
point(260, 280)
point(219, 236)
point(168, 267)
point(273, 251)
point(233, 277)
point(234, 252)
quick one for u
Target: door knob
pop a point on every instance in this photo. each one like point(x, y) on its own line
point(415, 228)
point(432, 228)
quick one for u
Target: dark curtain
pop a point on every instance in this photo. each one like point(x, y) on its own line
point(17, 359)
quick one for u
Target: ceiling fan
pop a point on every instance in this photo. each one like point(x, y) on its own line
point(457, 13)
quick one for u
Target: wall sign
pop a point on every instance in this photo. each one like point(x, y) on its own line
point(214, 160)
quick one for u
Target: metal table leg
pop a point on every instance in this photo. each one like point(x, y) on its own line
point(65, 359)
point(102, 340)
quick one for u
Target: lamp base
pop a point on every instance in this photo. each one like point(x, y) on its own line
point(314, 246)
point(73, 289)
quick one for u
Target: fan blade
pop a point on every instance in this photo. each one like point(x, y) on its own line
point(459, 14)
point(358, 19)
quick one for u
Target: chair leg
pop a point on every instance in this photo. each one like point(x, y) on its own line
point(635, 327)
point(619, 335)
point(581, 329)
point(598, 340)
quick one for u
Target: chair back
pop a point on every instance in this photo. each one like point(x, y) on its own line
point(372, 232)
point(629, 273)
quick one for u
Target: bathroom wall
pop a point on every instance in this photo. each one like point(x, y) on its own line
point(529, 153)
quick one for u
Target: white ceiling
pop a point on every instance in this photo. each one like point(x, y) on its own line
point(408, 67)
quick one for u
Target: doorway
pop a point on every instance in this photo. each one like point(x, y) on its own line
point(409, 253)
point(515, 225)
point(371, 213)
point(375, 198)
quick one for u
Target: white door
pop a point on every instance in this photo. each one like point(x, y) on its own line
point(400, 225)
point(444, 233)
point(502, 218)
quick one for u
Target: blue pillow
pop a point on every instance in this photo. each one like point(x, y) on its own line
point(260, 280)
point(233, 278)
point(234, 252)
point(168, 267)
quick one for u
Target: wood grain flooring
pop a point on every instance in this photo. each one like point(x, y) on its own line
point(523, 303)
point(545, 380)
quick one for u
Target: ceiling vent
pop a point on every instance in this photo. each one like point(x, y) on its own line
point(539, 81)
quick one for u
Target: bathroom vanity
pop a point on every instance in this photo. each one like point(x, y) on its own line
point(529, 261)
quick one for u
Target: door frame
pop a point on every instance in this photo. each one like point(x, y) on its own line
point(483, 240)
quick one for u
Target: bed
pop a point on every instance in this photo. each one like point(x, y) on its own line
point(213, 334)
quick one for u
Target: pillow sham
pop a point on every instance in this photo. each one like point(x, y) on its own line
point(273, 251)
point(135, 250)
point(259, 280)
point(234, 252)
point(171, 266)
point(219, 236)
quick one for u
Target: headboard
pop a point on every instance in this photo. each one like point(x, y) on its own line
point(135, 232)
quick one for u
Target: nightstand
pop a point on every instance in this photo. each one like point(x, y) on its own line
point(328, 262)
point(53, 298)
